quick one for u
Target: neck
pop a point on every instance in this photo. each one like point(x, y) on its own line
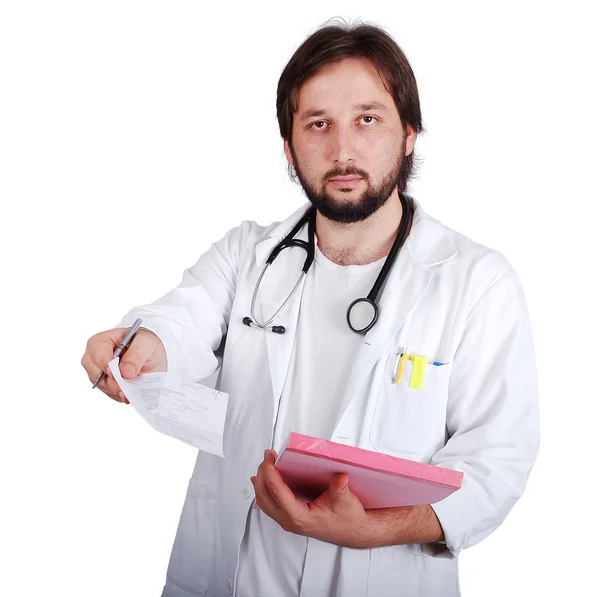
point(362, 242)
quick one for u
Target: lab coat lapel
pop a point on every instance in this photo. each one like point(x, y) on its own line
point(406, 284)
point(408, 280)
point(276, 285)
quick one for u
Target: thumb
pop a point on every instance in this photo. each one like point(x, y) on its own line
point(132, 361)
point(339, 484)
point(128, 370)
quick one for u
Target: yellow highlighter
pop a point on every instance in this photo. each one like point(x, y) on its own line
point(417, 377)
point(403, 360)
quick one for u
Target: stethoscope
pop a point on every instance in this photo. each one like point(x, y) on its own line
point(363, 312)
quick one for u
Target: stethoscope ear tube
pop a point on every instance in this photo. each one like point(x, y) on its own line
point(290, 241)
point(396, 246)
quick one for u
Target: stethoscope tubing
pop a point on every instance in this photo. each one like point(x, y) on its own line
point(287, 300)
point(396, 246)
point(309, 246)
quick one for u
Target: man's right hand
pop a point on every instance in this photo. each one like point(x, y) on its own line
point(146, 354)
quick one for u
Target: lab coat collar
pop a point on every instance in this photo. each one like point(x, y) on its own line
point(280, 230)
point(428, 241)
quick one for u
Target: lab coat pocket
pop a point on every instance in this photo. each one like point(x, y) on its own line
point(411, 422)
point(417, 574)
point(191, 558)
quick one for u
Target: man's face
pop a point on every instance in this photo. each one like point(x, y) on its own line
point(348, 125)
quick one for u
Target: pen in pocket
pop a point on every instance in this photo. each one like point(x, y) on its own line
point(400, 366)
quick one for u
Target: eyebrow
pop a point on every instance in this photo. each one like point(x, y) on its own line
point(362, 107)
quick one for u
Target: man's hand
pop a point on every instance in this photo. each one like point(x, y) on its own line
point(146, 354)
point(337, 516)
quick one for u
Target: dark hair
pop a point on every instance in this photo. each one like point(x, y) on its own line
point(334, 43)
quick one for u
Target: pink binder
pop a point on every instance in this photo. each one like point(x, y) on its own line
point(379, 480)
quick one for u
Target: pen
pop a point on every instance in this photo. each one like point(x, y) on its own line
point(403, 360)
point(121, 348)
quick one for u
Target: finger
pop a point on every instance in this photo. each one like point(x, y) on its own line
point(100, 349)
point(253, 481)
point(107, 385)
point(132, 360)
point(339, 496)
point(338, 484)
point(264, 499)
point(281, 493)
point(90, 367)
point(111, 388)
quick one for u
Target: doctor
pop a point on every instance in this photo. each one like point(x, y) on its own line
point(349, 114)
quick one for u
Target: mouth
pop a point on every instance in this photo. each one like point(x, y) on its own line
point(345, 181)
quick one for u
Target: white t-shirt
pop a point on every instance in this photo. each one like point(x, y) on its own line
point(271, 559)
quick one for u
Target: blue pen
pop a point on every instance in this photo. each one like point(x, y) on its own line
point(437, 364)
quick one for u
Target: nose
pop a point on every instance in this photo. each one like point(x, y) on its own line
point(343, 145)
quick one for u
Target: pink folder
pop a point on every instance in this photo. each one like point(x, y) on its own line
point(379, 480)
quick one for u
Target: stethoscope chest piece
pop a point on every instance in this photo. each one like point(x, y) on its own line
point(362, 315)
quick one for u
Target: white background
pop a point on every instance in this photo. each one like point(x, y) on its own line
point(134, 134)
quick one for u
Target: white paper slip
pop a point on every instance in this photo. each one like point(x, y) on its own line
point(177, 407)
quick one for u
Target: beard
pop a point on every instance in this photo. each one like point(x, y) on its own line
point(360, 209)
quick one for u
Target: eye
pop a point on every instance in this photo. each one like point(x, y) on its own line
point(321, 125)
point(372, 118)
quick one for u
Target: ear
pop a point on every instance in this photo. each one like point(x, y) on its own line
point(411, 138)
point(288, 153)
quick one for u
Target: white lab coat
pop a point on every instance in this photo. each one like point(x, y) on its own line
point(446, 297)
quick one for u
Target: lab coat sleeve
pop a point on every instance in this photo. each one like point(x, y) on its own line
point(492, 416)
point(192, 319)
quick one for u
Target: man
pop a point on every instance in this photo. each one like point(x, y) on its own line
point(349, 114)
